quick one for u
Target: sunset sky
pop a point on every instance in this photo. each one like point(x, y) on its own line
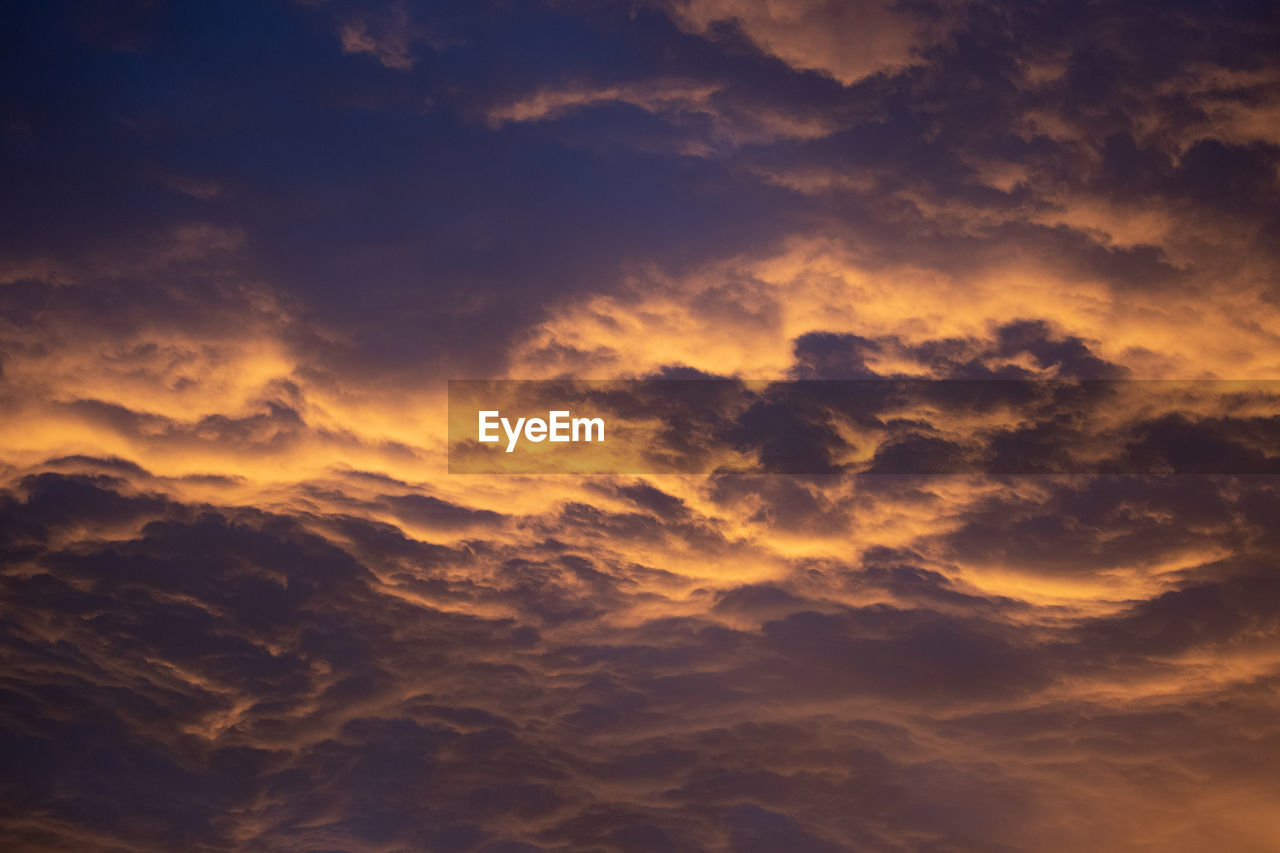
point(245, 606)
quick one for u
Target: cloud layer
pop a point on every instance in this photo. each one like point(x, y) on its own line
point(243, 605)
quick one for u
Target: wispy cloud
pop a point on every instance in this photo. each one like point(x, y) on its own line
point(389, 36)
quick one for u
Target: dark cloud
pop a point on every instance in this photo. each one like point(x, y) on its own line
point(823, 355)
point(225, 677)
point(1240, 609)
point(433, 512)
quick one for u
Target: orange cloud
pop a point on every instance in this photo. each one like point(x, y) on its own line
point(847, 41)
point(389, 37)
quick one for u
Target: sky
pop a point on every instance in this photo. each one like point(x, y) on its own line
point(244, 604)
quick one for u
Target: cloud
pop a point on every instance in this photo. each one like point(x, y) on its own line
point(546, 701)
point(388, 37)
point(703, 118)
point(740, 316)
point(243, 605)
point(846, 41)
point(666, 96)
